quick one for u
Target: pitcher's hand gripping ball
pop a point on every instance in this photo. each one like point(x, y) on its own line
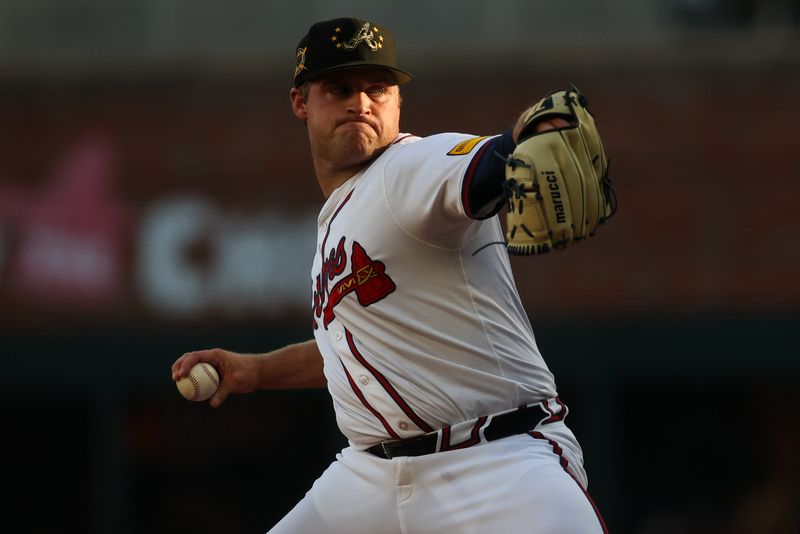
point(200, 384)
point(557, 182)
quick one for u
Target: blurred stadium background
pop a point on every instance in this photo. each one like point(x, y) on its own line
point(156, 197)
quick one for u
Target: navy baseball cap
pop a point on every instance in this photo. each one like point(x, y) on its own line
point(346, 43)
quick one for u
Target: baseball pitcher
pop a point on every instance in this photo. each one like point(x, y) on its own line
point(452, 416)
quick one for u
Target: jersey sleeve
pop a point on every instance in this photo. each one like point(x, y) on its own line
point(424, 183)
point(483, 189)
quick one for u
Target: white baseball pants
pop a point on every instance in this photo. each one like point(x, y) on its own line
point(519, 484)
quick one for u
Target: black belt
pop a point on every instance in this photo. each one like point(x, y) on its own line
point(500, 426)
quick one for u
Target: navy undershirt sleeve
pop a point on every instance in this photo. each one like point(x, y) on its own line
point(483, 182)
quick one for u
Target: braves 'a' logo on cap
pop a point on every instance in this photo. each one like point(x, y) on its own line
point(367, 34)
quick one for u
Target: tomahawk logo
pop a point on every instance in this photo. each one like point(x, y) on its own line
point(367, 279)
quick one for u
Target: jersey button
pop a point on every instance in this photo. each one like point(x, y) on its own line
point(337, 336)
point(403, 425)
point(363, 379)
point(323, 226)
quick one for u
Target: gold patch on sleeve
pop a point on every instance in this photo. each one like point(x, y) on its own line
point(465, 147)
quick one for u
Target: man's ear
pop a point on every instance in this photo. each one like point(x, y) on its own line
point(298, 104)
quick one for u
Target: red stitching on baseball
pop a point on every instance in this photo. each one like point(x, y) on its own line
point(210, 375)
point(195, 383)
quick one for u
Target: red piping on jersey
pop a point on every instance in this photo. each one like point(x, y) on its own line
point(328, 231)
point(319, 281)
point(474, 438)
point(468, 178)
point(387, 386)
point(369, 407)
point(554, 416)
point(563, 461)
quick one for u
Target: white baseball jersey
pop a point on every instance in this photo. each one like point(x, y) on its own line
point(416, 312)
point(421, 328)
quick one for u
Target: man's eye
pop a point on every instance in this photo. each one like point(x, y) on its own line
point(377, 90)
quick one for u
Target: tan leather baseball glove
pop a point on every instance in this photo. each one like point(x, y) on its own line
point(557, 181)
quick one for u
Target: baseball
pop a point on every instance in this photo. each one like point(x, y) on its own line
point(200, 384)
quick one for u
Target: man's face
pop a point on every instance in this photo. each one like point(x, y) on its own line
point(351, 115)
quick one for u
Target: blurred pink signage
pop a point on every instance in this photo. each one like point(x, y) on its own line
point(68, 233)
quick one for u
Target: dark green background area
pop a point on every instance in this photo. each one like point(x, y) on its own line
point(679, 420)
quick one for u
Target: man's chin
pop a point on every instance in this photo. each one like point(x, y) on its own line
point(357, 142)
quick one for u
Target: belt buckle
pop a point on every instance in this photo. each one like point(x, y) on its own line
point(389, 446)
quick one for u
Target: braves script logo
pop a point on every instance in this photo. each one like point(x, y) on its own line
point(367, 279)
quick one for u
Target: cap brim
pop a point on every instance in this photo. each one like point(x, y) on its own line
point(400, 76)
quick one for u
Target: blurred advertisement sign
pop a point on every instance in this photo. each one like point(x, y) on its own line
point(69, 233)
point(194, 258)
point(71, 245)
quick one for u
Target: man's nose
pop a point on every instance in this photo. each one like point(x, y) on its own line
point(359, 103)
